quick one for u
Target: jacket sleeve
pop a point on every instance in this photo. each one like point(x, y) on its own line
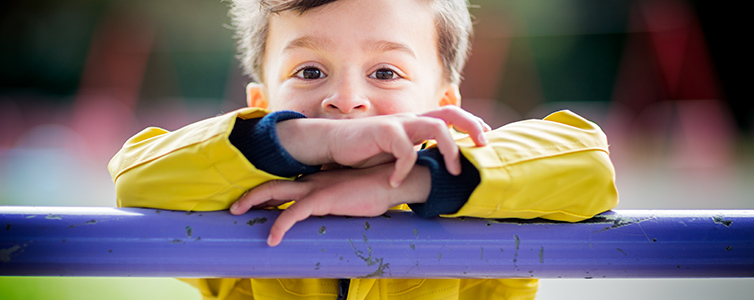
point(557, 168)
point(193, 168)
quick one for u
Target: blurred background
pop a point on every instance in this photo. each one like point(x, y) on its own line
point(664, 78)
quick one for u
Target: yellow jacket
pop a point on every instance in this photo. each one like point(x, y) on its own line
point(557, 168)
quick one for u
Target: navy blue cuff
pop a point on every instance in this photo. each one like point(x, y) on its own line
point(448, 193)
point(258, 140)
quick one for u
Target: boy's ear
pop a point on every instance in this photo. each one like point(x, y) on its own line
point(452, 96)
point(256, 96)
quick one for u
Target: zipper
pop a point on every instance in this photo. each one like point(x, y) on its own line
point(343, 285)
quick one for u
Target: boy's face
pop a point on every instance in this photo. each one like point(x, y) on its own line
point(353, 58)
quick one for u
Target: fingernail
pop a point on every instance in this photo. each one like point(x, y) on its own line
point(394, 184)
point(269, 240)
point(483, 138)
point(234, 207)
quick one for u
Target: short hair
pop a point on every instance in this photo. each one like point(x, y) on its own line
point(250, 19)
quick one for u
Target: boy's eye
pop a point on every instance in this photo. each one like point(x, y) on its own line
point(310, 73)
point(384, 74)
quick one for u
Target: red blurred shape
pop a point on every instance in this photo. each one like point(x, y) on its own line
point(111, 81)
point(667, 78)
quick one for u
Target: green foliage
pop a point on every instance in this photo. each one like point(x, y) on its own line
point(83, 288)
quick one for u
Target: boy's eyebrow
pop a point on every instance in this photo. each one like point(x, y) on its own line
point(310, 42)
point(321, 44)
point(385, 46)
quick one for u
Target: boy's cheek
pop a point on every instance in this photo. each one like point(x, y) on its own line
point(403, 102)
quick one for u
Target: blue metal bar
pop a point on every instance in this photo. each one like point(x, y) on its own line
point(76, 241)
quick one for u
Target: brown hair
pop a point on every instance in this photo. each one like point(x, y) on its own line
point(250, 18)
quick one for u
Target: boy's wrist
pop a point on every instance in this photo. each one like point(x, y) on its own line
point(416, 188)
point(257, 139)
point(304, 140)
point(448, 193)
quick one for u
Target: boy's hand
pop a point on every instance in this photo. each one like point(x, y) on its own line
point(371, 141)
point(351, 192)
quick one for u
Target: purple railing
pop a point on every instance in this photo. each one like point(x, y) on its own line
point(86, 241)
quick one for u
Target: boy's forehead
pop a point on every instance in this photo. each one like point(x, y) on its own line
point(356, 20)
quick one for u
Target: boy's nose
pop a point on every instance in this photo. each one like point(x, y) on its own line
point(343, 104)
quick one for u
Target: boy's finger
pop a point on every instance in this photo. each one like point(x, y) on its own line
point(472, 126)
point(436, 129)
point(449, 150)
point(287, 218)
point(403, 166)
point(398, 143)
point(276, 190)
point(484, 124)
point(463, 121)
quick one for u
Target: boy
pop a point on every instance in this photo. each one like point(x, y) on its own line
point(344, 79)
